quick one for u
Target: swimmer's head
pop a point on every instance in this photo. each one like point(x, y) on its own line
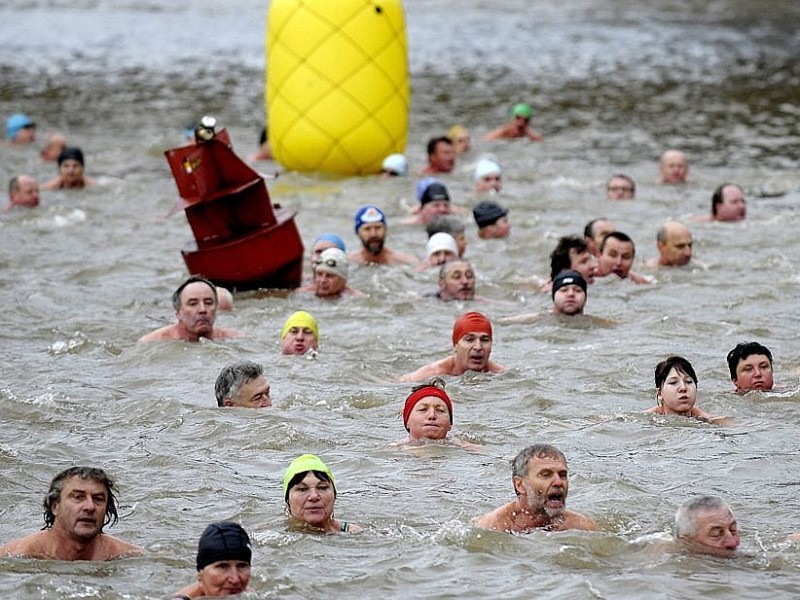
point(71, 153)
point(301, 319)
point(488, 213)
point(522, 110)
point(469, 322)
point(395, 164)
point(223, 541)
point(369, 214)
point(301, 465)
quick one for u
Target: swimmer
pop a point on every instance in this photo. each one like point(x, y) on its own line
point(441, 156)
point(441, 248)
point(20, 129)
point(23, 191)
point(54, 147)
point(70, 171)
point(309, 491)
point(674, 244)
point(472, 349)
point(330, 276)
point(541, 482)
point(300, 335)
point(595, 232)
point(620, 187)
point(78, 505)
point(195, 303)
point(492, 220)
point(673, 168)
point(750, 365)
point(434, 200)
point(518, 127)
point(456, 281)
point(224, 555)
point(676, 390)
point(453, 225)
point(395, 165)
point(488, 177)
point(706, 525)
point(460, 138)
point(617, 252)
point(371, 230)
point(242, 384)
point(727, 204)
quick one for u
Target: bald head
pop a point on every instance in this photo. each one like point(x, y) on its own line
point(673, 167)
point(674, 242)
point(23, 190)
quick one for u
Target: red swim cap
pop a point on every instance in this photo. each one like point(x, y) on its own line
point(472, 321)
point(424, 392)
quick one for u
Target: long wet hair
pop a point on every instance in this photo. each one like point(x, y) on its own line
point(53, 495)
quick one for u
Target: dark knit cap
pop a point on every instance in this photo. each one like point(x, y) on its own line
point(223, 541)
point(71, 152)
point(488, 213)
point(568, 278)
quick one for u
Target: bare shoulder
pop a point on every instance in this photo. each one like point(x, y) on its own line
point(221, 333)
point(440, 367)
point(30, 546)
point(114, 548)
point(159, 335)
point(575, 520)
point(495, 368)
point(521, 319)
point(498, 520)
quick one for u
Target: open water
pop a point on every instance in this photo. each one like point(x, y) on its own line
point(614, 83)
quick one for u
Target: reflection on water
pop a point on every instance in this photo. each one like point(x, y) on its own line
point(613, 84)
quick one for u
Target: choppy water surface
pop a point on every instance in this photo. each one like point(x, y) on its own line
point(614, 84)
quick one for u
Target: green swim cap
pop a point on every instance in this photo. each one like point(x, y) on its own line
point(301, 464)
point(522, 110)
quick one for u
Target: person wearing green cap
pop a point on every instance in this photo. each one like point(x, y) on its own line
point(309, 491)
point(518, 127)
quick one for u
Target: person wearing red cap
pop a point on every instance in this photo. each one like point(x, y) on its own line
point(472, 347)
point(428, 415)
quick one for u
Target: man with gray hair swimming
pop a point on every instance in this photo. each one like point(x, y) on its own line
point(243, 384)
point(706, 525)
point(541, 482)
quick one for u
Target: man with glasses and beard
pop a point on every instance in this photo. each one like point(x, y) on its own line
point(541, 482)
point(371, 230)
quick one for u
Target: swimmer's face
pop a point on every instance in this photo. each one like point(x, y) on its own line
point(429, 419)
point(81, 509)
point(584, 262)
point(674, 167)
point(443, 158)
point(620, 188)
point(440, 257)
point(569, 300)
point(251, 394)
point(500, 229)
point(491, 182)
point(224, 578)
point(198, 309)
point(299, 340)
point(462, 143)
point(311, 500)
point(327, 284)
point(434, 208)
point(733, 206)
point(372, 236)
point(473, 351)
point(716, 533)
point(678, 393)
point(753, 373)
point(458, 282)
point(28, 192)
point(71, 172)
point(545, 485)
point(676, 249)
point(616, 257)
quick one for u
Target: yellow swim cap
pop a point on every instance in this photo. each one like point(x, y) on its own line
point(455, 131)
point(301, 464)
point(301, 319)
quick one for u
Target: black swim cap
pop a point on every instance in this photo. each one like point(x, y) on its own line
point(71, 152)
point(223, 541)
point(568, 278)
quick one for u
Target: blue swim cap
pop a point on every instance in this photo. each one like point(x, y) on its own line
point(16, 122)
point(369, 214)
point(333, 239)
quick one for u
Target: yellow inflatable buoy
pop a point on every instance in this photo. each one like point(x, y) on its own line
point(337, 90)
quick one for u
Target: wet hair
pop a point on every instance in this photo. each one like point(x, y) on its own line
point(445, 224)
point(560, 259)
point(321, 475)
point(433, 142)
point(53, 495)
point(622, 237)
point(176, 295)
point(446, 265)
point(233, 376)
point(680, 364)
point(716, 197)
point(741, 351)
point(519, 466)
point(685, 518)
point(262, 139)
point(626, 178)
